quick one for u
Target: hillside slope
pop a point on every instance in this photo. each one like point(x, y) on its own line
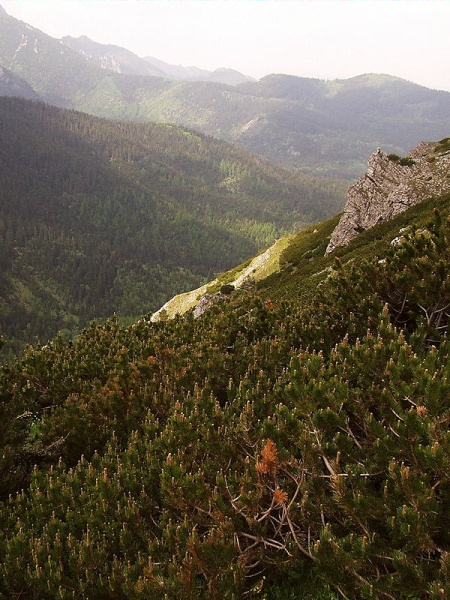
point(12, 85)
point(390, 186)
point(292, 442)
point(100, 216)
point(321, 127)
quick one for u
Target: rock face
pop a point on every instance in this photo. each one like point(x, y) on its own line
point(390, 186)
point(206, 302)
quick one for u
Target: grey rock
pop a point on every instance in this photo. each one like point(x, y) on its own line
point(390, 187)
point(205, 303)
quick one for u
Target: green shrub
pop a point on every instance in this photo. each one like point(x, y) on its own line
point(406, 161)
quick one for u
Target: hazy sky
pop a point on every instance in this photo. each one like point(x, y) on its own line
point(311, 38)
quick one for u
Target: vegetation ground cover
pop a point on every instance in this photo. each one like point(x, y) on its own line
point(272, 448)
point(99, 216)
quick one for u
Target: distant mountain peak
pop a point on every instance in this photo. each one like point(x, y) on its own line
point(120, 60)
point(111, 57)
point(221, 75)
point(374, 78)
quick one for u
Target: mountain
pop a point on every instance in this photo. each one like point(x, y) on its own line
point(342, 119)
point(226, 76)
point(11, 85)
point(55, 72)
point(39, 59)
point(119, 60)
point(319, 127)
point(110, 57)
point(100, 216)
point(178, 71)
point(291, 442)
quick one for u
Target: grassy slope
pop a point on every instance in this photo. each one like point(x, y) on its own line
point(297, 264)
point(249, 272)
point(303, 264)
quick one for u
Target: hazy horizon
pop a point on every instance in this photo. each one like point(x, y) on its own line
point(325, 39)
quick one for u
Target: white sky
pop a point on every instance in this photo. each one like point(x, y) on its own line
point(310, 38)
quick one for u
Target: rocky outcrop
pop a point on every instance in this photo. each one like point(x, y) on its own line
point(259, 268)
point(206, 302)
point(390, 186)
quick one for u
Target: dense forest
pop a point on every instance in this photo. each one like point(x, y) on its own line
point(320, 127)
point(293, 442)
point(101, 216)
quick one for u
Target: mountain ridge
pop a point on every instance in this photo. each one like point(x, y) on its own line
point(101, 216)
point(111, 57)
point(390, 187)
point(316, 126)
point(392, 184)
point(120, 60)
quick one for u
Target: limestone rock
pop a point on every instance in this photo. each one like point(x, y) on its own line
point(205, 303)
point(389, 187)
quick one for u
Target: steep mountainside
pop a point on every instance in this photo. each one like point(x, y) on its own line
point(373, 220)
point(392, 184)
point(112, 58)
point(99, 216)
point(292, 442)
point(12, 85)
point(55, 72)
point(322, 127)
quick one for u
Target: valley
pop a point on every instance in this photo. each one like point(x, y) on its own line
point(224, 314)
point(320, 127)
point(100, 217)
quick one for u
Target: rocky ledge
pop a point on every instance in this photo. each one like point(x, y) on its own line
point(391, 185)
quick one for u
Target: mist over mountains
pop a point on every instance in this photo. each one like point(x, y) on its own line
point(290, 440)
point(120, 60)
point(321, 127)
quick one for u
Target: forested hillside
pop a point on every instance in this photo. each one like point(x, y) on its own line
point(12, 85)
point(320, 127)
point(98, 216)
point(293, 442)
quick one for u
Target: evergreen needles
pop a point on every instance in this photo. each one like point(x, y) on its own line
point(269, 449)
